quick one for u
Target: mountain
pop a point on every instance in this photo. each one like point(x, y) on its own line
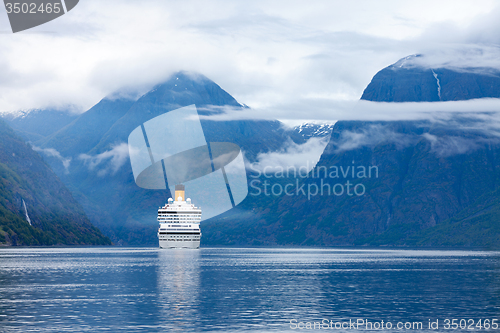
point(35, 207)
point(409, 81)
point(415, 183)
point(111, 120)
point(92, 155)
point(86, 131)
point(431, 183)
point(34, 125)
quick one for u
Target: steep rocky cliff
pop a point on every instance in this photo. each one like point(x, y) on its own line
point(433, 183)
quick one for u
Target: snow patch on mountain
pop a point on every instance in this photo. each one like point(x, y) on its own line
point(314, 130)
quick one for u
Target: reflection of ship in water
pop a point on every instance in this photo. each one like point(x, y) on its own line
point(179, 222)
point(179, 289)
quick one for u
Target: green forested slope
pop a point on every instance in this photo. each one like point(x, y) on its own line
point(56, 218)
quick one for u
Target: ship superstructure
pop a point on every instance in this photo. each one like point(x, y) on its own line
point(179, 222)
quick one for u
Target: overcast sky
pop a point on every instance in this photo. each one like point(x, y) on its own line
point(289, 60)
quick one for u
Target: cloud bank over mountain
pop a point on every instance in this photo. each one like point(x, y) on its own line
point(331, 110)
point(275, 56)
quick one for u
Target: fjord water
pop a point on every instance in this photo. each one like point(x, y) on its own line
point(250, 290)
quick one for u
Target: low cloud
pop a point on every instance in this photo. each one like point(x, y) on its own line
point(273, 56)
point(51, 152)
point(108, 162)
point(371, 136)
point(462, 58)
point(445, 146)
point(330, 110)
point(292, 156)
point(462, 136)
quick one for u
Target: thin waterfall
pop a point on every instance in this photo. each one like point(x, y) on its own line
point(26, 213)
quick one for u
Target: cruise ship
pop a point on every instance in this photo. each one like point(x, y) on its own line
point(179, 222)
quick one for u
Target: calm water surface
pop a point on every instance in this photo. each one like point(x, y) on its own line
point(244, 290)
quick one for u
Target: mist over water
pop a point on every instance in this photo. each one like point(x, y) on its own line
point(233, 290)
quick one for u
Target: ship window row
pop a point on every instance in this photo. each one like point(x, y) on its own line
point(174, 219)
point(179, 212)
point(179, 221)
point(178, 225)
point(193, 220)
point(179, 216)
point(181, 236)
point(186, 230)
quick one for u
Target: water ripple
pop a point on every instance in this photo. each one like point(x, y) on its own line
point(239, 290)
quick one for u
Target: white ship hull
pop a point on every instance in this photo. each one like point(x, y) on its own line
point(180, 244)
